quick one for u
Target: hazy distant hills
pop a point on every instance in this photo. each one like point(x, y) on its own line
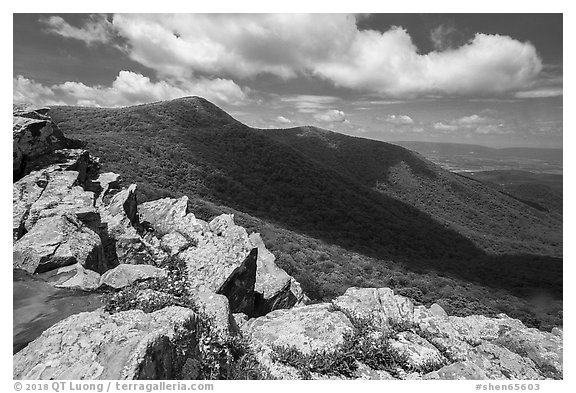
point(377, 200)
point(494, 221)
point(471, 158)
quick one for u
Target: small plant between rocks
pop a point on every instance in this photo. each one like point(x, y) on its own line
point(202, 350)
point(364, 345)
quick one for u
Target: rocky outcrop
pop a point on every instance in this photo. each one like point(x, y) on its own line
point(427, 342)
point(170, 215)
point(96, 345)
point(58, 241)
point(123, 275)
point(33, 135)
point(306, 329)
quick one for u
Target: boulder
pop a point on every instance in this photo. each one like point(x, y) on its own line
point(379, 306)
point(61, 196)
point(123, 275)
point(239, 285)
point(96, 345)
point(500, 363)
point(275, 288)
point(104, 185)
point(168, 215)
point(58, 241)
point(215, 258)
point(24, 193)
point(174, 242)
point(33, 134)
point(544, 349)
point(124, 245)
point(76, 277)
point(306, 329)
point(217, 308)
point(419, 353)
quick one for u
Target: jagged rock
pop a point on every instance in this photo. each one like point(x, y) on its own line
point(419, 353)
point(51, 190)
point(106, 182)
point(168, 215)
point(61, 196)
point(378, 305)
point(58, 241)
point(33, 134)
point(273, 284)
point(30, 111)
point(174, 242)
point(217, 308)
point(306, 328)
point(214, 259)
point(120, 217)
point(123, 275)
point(220, 224)
point(78, 160)
point(474, 329)
point(500, 363)
point(24, 193)
point(458, 371)
point(544, 349)
point(76, 277)
point(96, 345)
point(239, 285)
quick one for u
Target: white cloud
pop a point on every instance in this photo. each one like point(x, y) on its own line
point(444, 37)
point(389, 63)
point(540, 93)
point(128, 88)
point(96, 29)
point(331, 116)
point(472, 120)
point(441, 126)
point(397, 119)
point(329, 46)
point(283, 120)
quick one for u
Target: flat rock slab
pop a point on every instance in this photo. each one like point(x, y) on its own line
point(97, 345)
point(124, 275)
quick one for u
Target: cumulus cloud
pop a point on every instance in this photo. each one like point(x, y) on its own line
point(329, 46)
point(474, 123)
point(389, 63)
point(283, 120)
point(397, 119)
point(97, 29)
point(445, 37)
point(442, 126)
point(472, 119)
point(331, 116)
point(128, 88)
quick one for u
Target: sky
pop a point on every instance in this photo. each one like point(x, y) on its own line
point(488, 79)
